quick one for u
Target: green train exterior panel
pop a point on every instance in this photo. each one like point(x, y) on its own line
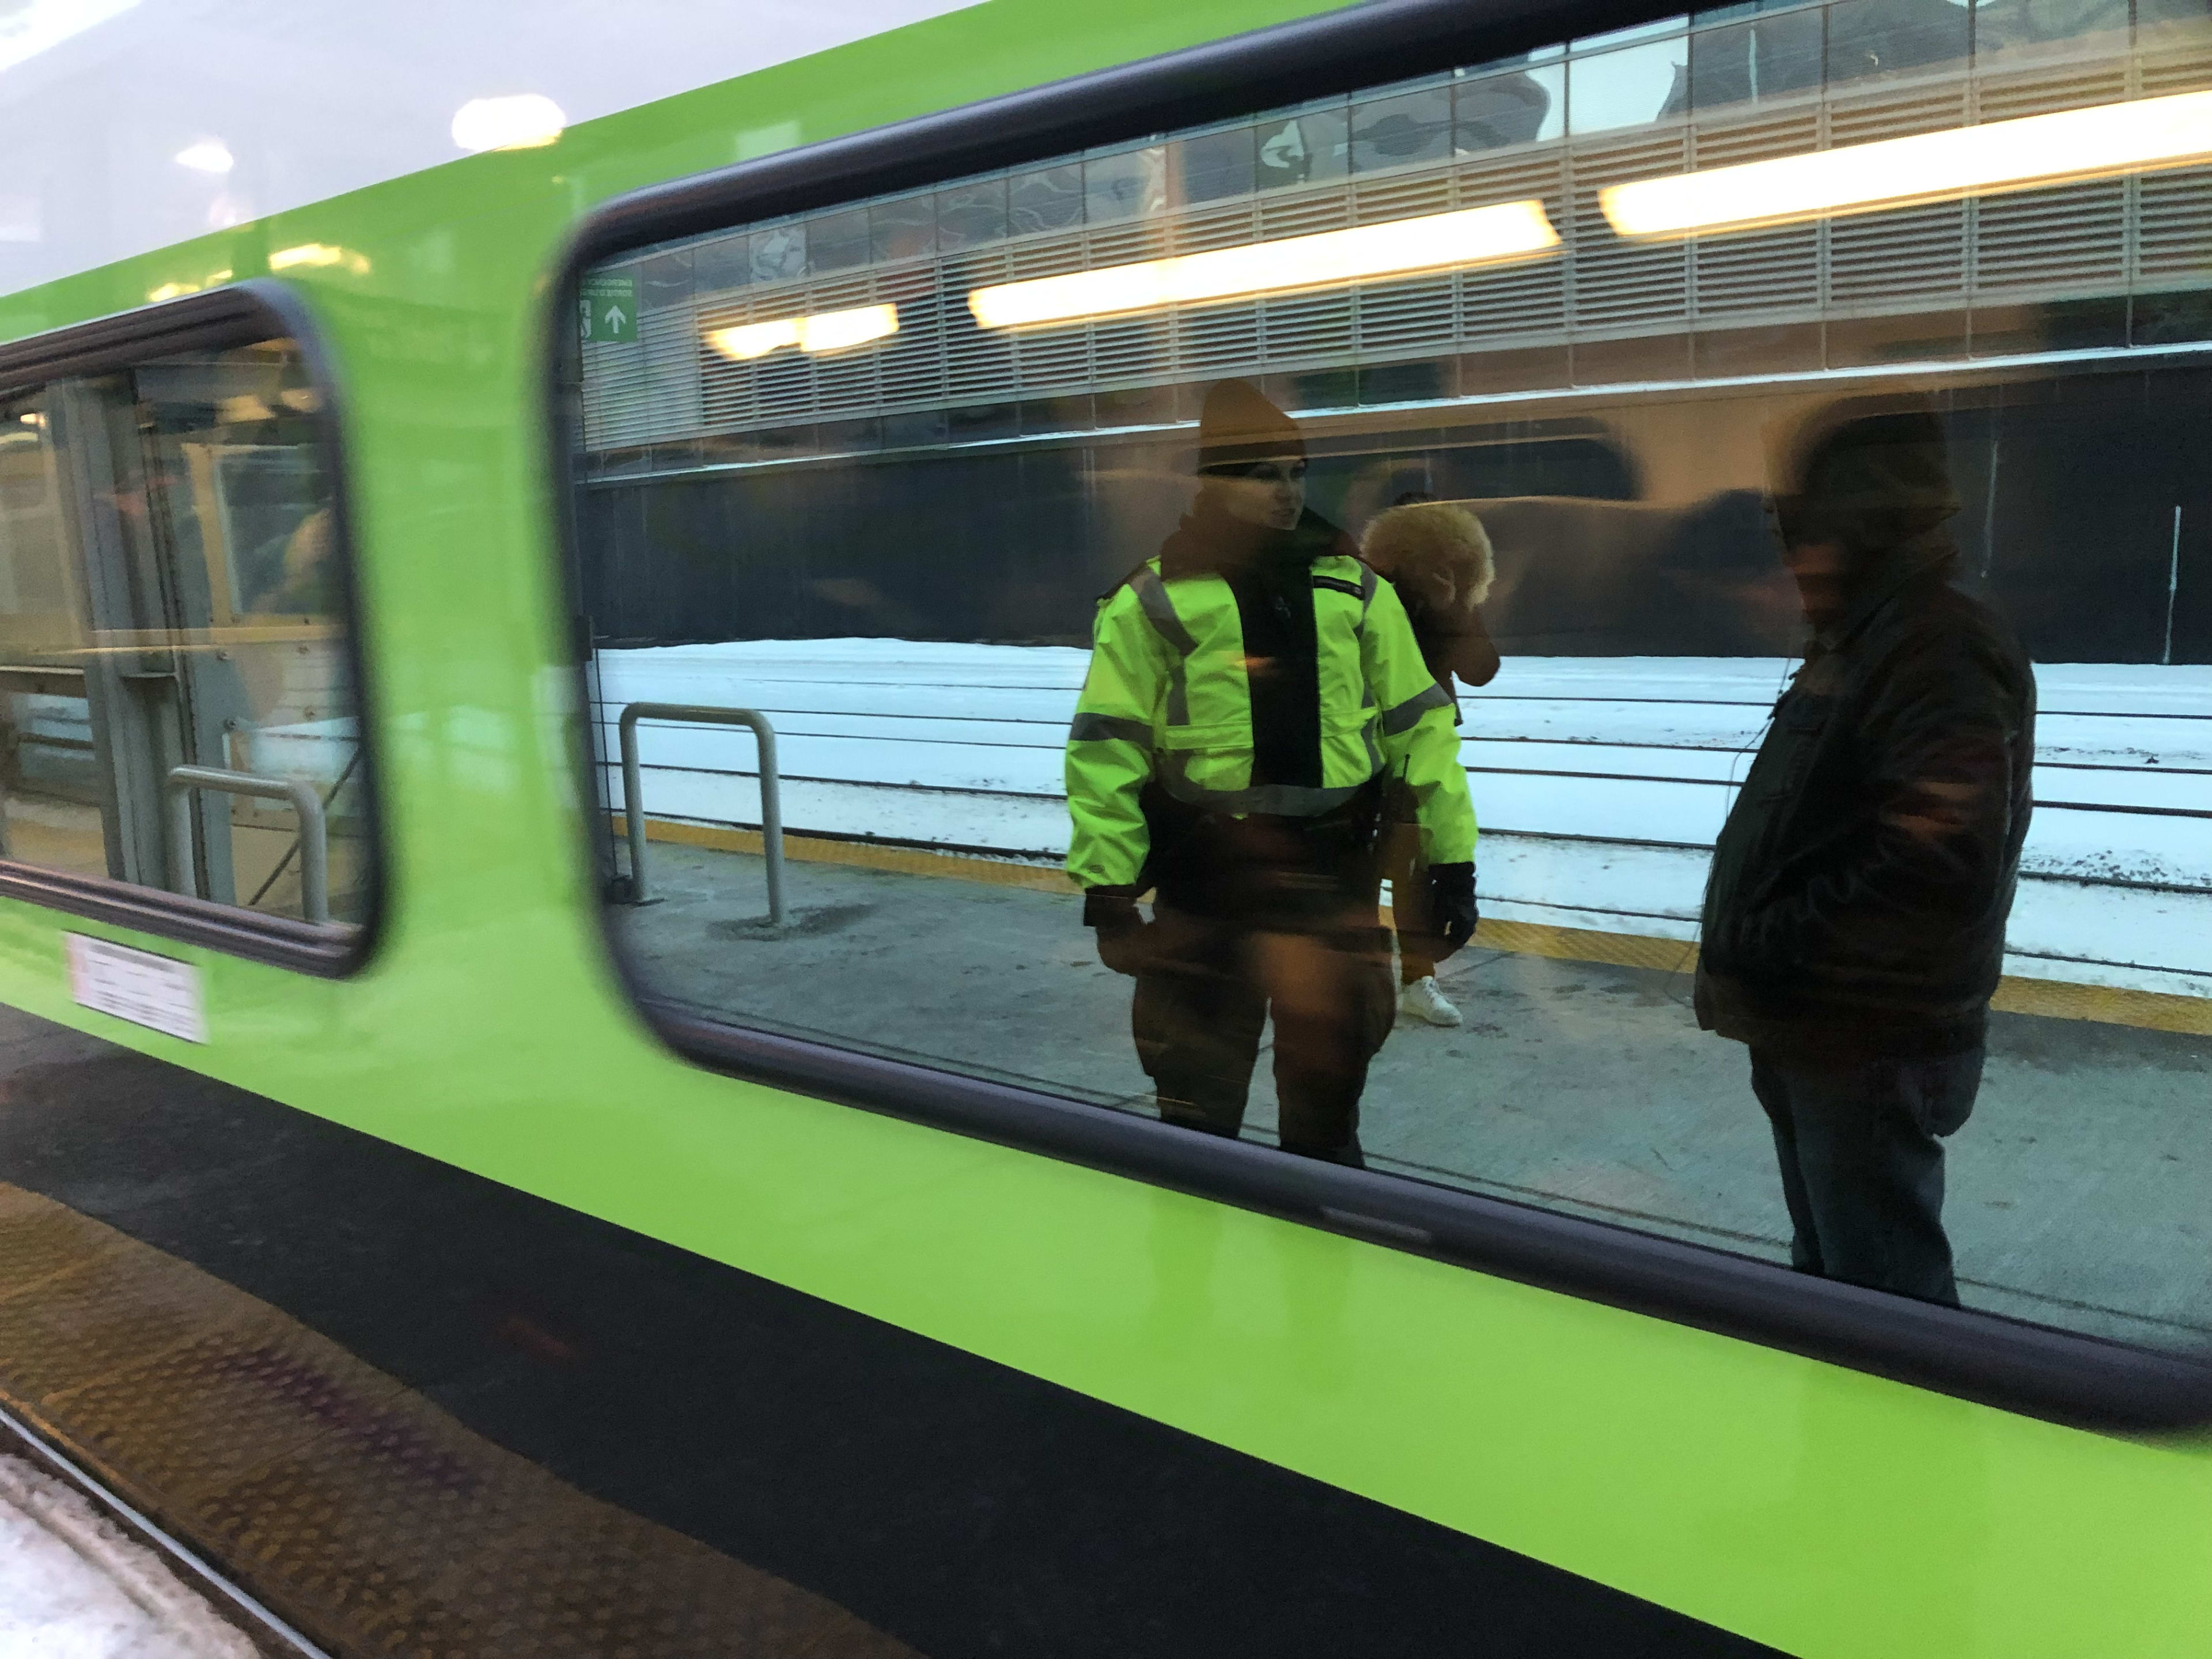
point(1806, 1506)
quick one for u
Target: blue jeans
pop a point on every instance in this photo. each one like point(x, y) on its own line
point(1861, 1147)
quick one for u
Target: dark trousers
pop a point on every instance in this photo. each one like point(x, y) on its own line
point(1859, 1145)
point(1205, 996)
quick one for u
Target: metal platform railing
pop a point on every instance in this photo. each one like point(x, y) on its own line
point(634, 788)
point(314, 838)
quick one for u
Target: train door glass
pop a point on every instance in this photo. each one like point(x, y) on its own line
point(1109, 544)
point(176, 705)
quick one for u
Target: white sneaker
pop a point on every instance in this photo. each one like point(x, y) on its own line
point(1422, 1001)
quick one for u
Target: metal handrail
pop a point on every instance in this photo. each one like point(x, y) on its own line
point(314, 839)
point(634, 787)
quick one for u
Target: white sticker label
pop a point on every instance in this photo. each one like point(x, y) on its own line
point(137, 985)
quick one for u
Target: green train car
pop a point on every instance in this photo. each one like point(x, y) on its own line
point(556, 1097)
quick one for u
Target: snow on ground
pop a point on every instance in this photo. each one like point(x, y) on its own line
point(1599, 782)
point(72, 1587)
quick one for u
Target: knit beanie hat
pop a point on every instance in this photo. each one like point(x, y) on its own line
point(1871, 480)
point(1238, 426)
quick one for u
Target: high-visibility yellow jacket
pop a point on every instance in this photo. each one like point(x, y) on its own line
point(1167, 699)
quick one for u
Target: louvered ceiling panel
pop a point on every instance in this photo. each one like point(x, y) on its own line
point(725, 400)
point(1530, 297)
point(1397, 319)
point(1614, 285)
point(2072, 239)
point(1216, 340)
point(1306, 327)
point(1229, 227)
point(1133, 351)
point(1766, 270)
point(1759, 271)
point(2161, 68)
point(847, 385)
point(1400, 196)
point(1513, 303)
point(1898, 112)
point(913, 359)
point(783, 389)
point(2072, 86)
point(1120, 244)
point(673, 392)
point(978, 362)
point(1047, 358)
point(1045, 256)
point(1911, 254)
point(2173, 236)
point(1304, 214)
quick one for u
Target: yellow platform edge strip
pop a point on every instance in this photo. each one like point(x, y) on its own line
point(2105, 1005)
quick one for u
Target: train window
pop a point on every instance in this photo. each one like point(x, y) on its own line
point(1121, 581)
point(178, 708)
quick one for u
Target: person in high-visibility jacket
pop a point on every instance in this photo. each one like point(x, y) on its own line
point(1252, 690)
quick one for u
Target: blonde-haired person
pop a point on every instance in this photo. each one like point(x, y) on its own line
point(1437, 557)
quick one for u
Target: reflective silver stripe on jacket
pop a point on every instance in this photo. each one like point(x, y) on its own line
point(1282, 801)
point(1102, 728)
point(1153, 596)
point(1399, 719)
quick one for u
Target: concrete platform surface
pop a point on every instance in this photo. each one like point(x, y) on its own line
point(2076, 1190)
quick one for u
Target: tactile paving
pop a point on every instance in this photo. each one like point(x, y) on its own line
point(355, 1509)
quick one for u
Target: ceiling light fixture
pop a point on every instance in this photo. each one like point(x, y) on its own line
point(826, 330)
point(2063, 147)
point(1397, 247)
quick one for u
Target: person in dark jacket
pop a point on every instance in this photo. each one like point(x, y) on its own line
point(1854, 915)
point(1437, 556)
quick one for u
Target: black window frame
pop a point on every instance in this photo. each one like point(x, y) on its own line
point(2058, 1374)
point(237, 315)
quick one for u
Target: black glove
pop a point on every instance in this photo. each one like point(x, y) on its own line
point(1452, 913)
point(1122, 931)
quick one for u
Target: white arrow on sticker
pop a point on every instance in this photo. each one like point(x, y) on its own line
point(616, 318)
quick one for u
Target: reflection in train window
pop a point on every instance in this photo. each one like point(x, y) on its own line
point(176, 708)
point(1813, 608)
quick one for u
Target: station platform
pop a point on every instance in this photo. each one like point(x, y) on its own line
point(1579, 1082)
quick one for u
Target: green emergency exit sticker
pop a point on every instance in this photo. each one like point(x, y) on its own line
point(610, 308)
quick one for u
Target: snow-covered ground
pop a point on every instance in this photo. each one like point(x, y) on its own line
point(1601, 782)
point(72, 1587)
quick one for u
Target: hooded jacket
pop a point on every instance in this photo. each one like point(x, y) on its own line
point(1856, 904)
point(1439, 557)
point(1248, 671)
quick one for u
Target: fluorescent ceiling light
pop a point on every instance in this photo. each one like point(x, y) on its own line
point(1930, 166)
point(826, 330)
point(1473, 236)
point(527, 121)
point(208, 155)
